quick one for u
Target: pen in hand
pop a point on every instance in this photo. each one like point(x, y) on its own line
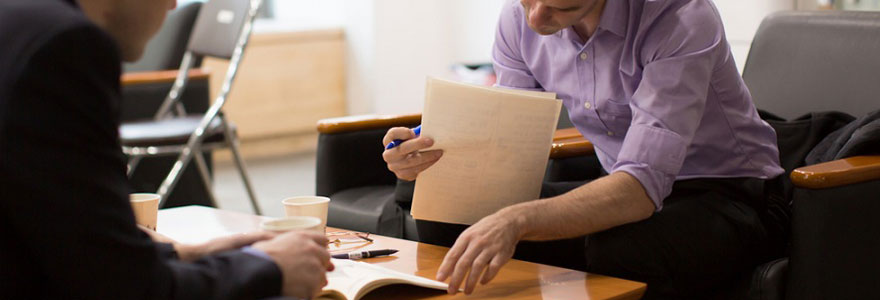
point(365, 254)
point(395, 143)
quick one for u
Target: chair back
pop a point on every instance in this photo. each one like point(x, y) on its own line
point(221, 30)
point(166, 49)
point(218, 28)
point(802, 62)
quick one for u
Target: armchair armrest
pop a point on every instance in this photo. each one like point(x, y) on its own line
point(568, 142)
point(167, 76)
point(838, 172)
point(365, 122)
point(356, 140)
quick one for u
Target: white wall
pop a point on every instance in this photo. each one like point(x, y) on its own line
point(741, 20)
point(394, 44)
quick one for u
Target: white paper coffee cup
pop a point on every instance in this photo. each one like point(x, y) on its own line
point(146, 209)
point(311, 206)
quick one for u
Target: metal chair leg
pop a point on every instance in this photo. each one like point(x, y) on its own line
point(239, 163)
point(174, 176)
point(206, 176)
point(132, 164)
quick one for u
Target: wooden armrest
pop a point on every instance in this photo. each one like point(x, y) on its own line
point(568, 142)
point(838, 172)
point(365, 122)
point(167, 76)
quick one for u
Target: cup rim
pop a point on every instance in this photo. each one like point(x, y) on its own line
point(315, 200)
point(143, 197)
point(312, 222)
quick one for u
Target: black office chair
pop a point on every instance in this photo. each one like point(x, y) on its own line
point(222, 30)
point(350, 171)
point(803, 62)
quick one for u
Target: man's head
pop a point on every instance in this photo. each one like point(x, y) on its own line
point(549, 16)
point(131, 22)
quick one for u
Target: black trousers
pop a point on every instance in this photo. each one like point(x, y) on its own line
point(709, 234)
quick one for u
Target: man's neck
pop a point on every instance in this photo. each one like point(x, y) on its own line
point(587, 26)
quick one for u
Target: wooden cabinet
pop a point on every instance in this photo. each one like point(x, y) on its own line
point(287, 82)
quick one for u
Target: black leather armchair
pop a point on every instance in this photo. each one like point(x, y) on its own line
point(802, 62)
point(350, 171)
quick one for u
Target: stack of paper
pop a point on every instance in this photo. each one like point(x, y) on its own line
point(495, 146)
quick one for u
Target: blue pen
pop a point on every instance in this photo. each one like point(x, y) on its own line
point(395, 143)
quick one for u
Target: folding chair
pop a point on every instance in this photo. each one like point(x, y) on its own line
point(222, 30)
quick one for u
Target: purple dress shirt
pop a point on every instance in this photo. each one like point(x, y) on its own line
point(655, 89)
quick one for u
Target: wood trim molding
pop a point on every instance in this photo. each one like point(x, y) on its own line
point(838, 172)
point(569, 142)
point(365, 122)
point(167, 76)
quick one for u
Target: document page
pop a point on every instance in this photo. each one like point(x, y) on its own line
point(495, 146)
point(352, 280)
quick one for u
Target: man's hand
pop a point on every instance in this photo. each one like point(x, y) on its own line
point(195, 252)
point(405, 160)
point(190, 253)
point(303, 259)
point(481, 249)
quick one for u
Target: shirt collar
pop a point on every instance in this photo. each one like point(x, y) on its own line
point(614, 18)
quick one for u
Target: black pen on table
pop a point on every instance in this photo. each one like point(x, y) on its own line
point(365, 254)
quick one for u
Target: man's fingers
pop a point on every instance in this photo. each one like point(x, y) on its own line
point(398, 133)
point(494, 267)
point(476, 270)
point(414, 145)
point(331, 267)
point(245, 239)
point(417, 160)
point(462, 267)
point(451, 259)
point(411, 173)
point(318, 238)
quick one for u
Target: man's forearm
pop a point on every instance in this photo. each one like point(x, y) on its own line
point(604, 203)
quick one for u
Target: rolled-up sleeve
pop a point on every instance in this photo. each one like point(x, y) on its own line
point(510, 69)
point(679, 58)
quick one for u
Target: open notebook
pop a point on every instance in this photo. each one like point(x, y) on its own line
point(352, 280)
point(495, 146)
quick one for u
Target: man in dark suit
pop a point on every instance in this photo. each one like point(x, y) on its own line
point(66, 228)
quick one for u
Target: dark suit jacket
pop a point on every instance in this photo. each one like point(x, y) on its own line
point(66, 228)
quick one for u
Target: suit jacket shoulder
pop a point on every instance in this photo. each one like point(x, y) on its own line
point(26, 25)
point(66, 228)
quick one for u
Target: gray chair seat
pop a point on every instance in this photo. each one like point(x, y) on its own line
point(369, 208)
point(176, 131)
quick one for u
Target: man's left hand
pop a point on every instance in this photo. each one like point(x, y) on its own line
point(482, 249)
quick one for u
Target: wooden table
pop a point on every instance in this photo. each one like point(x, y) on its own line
point(517, 280)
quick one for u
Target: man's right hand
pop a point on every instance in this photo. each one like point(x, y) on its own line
point(303, 259)
point(406, 160)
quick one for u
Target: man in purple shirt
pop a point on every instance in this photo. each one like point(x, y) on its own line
point(653, 85)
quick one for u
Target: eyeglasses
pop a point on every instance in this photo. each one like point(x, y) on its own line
point(347, 240)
